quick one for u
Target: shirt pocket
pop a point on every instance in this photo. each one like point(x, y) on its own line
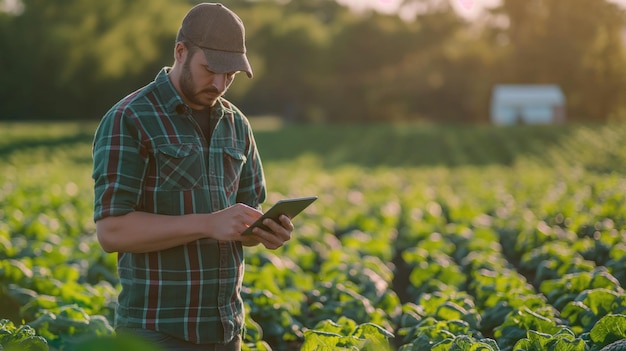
point(180, 166)
point(233, 161)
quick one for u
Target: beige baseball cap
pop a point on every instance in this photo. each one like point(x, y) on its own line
point(220, 33)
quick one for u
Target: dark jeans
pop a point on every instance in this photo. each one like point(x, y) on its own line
point(170, 343)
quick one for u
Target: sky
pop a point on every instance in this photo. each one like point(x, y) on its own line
point(466, 8)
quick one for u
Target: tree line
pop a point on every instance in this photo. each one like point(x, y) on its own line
point(316, 61)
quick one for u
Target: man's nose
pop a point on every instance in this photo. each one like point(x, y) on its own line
point(219, 81)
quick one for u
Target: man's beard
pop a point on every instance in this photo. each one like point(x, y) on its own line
point(187, 87)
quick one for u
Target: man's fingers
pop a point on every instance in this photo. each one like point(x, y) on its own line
point(278, 229)
point(269, 241)
point(286, 222)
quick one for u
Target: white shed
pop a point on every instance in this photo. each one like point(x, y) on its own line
point(527, 104)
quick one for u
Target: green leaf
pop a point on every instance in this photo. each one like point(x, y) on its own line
point(6, 330)
point(23, 332)
point(486, 345)
point(74, 313)
point(538, 339)
point(253, 331)
point(570, 345)
point(519, 322)
point(409, 319)
point(14, 271)
point(21, 295)
point(457, 327)
point(603, 279)
point(564, 340)
point(315, 340)
point(450, 311)
point(600, 301)
point(608, 329)
point(443, 345)
point(465, 343)
point(534, 341)
point(462, 343)
point(376, 336)
point(31, 343)
point(99, 326)
point(371, 330)
point(344, 326)
point(566, 334)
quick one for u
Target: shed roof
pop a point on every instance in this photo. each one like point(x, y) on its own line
point(540, 94)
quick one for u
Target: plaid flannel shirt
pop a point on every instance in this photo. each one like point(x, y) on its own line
point(150, 155)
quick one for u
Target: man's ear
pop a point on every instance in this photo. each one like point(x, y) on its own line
point(180, 52)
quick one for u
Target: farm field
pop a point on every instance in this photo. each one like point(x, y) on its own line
point(423, 238)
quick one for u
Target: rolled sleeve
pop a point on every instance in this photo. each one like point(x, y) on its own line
point(118, 166)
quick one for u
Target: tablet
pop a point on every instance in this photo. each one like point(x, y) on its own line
point(288, 207)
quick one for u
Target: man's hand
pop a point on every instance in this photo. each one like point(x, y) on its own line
point(279, 234)
point(229, 223)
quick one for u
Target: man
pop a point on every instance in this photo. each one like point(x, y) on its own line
point(177, 179)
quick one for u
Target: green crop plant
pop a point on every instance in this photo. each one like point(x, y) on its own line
point(474, 238)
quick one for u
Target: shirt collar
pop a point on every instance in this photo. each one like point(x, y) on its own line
point(172, 101)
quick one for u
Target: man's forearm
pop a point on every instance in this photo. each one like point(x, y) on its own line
point(145, 232)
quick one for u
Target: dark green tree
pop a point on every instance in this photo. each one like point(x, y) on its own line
point(74, 58)
point(288, 51)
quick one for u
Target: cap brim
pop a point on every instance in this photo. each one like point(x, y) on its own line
point(225, 62)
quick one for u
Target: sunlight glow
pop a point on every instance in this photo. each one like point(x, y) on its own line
point(14, 7)
point(467, 8)
point(467, 4)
